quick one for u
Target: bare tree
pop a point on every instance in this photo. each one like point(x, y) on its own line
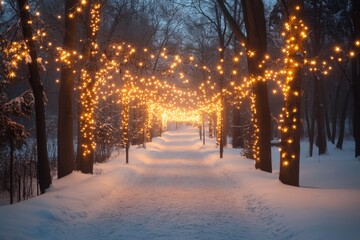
point(319, 104)
point(219, 25)
point(256, 42)
point(38, 91)
point(356, 75)
point(66, 95)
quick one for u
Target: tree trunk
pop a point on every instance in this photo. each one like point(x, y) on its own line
point(312, 128)
point(203, 128)
point(335, 114)
point(307, 117)
point(38, 91)
point(211, 123)
point(125, 138)
point(342, 121)
point(221, 133)
point(66, 96)
point(80, 109)
point(327, 124)
point(24, 182)
point(200, 130)
point(87, 153)
point(355, 63)
point(256, 41)
point(225, 122)
point(315, 35)
point(320, 117)
point(19, 187)
point(237, 140)
point(356, 102)
point(12, 149)
point(290, 130)
point(290, 135)
point(255, 25)
point(79, 135)
point(222, 116)
point(222, 122)
point(88, 88)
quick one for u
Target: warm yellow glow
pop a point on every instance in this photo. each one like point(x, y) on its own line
point(163, 101)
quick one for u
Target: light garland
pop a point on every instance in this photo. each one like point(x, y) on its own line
point(296, 34)
point(181, 100)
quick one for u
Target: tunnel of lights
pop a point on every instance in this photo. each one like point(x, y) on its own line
point(169, 86)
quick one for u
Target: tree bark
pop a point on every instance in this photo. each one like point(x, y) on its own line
point(319, 102)
point(79, 134)
point(342, 120)
point(256, 41)
point(290, 136)
point(327, 124)
point(211, 124)
point(87, 92)
point(255, 25)
point(237, 115)
point(125, 138)
point(203, 128)
point(320, 117)
point(222, 129)
point(312, 127)
point(290, 130)
point(38, 91)
point(355, 63)
point(307, 117)
point(200, 130)
point(66, 97)
point(237, 140)
point(335, 114)
point(12, 149)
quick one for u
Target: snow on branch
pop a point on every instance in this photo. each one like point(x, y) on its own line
point(20, 106)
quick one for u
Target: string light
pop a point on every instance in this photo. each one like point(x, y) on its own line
point(160, 99)
point(89, 87)
point(295, 35)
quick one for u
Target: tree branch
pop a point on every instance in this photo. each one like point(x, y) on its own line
point(234, 26)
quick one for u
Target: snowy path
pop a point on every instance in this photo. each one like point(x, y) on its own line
point(176, 197)
point(179, 189)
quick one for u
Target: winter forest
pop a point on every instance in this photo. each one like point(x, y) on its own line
point(193, 119)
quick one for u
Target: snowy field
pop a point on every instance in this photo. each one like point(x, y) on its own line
point(179, 189)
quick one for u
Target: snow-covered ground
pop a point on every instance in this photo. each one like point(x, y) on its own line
point(179, 189)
